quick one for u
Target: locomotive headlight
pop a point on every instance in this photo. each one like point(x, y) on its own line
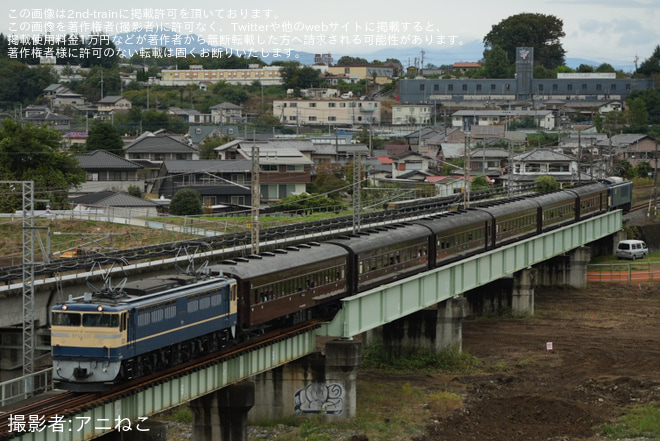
point(64, 307)
point(99, 308)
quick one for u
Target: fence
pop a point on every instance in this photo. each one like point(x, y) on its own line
point(21, 388)
point(624, 272)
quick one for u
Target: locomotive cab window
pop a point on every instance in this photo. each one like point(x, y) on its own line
point(100, 320)
point(66, 319)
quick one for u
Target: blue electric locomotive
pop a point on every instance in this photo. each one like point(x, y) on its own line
point(142, 327)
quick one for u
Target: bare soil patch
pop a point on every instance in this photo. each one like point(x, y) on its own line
point(604, 357)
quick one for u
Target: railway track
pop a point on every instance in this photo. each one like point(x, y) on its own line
point(48, 410)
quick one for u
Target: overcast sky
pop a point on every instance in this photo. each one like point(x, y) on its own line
point(613, 31)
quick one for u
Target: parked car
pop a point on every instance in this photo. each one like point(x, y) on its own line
point(631, 249)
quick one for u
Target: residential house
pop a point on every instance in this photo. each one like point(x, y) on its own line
point(70, 99)
point(114, 204)
point(545, 162)
point(106, 171)
point(47, 118)
point(105, 107)
point(448, 185)
point(226, 113)
point(634, 148)
point(543, 119)
point(324, 112)
point(226, 183)
point(190, 116)
point(407, 162)
point(412, 114)
point(284, 170)
point(151, 149)
point(488, 161)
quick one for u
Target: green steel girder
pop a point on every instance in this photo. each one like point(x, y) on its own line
point(94, 421)
point(393, 301)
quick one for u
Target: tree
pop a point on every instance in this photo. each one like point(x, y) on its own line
point(540, 31)
point(496, 64)
point(637, 113)
point(650, 66)
point(545, 184)
point(479, 183)
point(135, 191)
point(104, 136)
point(206, 149)
point(644, 169)
point(296, 77)
point(624, 169)
point(186, 202)
point(352, 61)
point(29, 153)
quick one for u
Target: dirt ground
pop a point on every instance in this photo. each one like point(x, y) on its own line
point(605, 356)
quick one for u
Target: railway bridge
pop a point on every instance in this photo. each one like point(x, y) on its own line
point(289, 376)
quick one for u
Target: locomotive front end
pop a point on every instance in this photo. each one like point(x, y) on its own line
point(88, 345)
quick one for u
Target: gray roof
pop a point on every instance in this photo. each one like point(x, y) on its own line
point(112, 199)
point(104, 160)
point(226, 106)
point(543, 155)
point(158, 143)
point(208, 165)
point(625, 140)
point(489, 153)
point(110, 99)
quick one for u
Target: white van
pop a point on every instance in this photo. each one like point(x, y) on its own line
point(631, 249)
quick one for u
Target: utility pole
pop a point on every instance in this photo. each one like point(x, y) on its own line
point(27, 188)
point(466, 172)
point(256, 199)
point(655, 180)
point(357, 200)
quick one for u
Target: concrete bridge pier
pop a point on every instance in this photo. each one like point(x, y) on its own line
point(522, 294)
point(568, 269)
point(319, 384)
point(222, 415)
point(435, 328)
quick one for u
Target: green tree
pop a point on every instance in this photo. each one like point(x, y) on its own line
point(29, 153)
point(540, 31)
point(585, 68)
point(206, 149)
point(186, 202)
point(637, 113)
point(650, 66)
point(134, 190)
point(605, 68)
point(352, 61)
point(496, 64)
point(479, 182)
point(624, 169)
point(545, 184)
point(104, 136)
point(651, 100)
point(294, 76)
point(329, 179)
point(644, 169)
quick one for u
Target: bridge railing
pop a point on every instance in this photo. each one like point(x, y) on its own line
point(22, 388)
point(635, 272)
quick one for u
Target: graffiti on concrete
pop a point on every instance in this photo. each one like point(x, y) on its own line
point(320, 398)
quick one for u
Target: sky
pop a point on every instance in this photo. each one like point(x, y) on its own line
point(602, 31)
